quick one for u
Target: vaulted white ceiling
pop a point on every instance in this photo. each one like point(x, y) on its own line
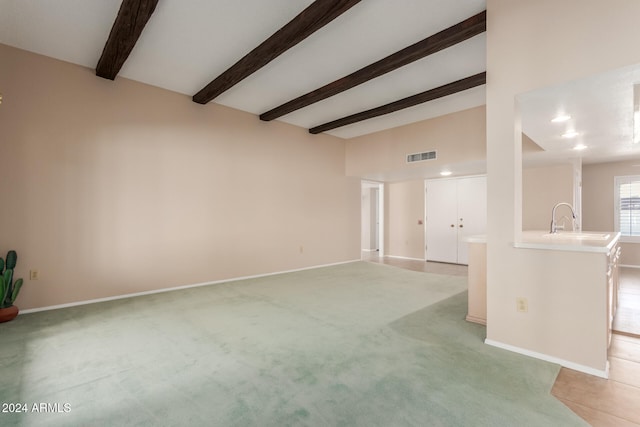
point(186, 44)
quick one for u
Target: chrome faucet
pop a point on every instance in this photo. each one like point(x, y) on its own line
point(554, 225)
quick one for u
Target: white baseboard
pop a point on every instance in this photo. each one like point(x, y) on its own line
point(552, 359)
point(474, 319)
point(629, 266)
point(176, 288)
point(404, 257)
point(369, 250)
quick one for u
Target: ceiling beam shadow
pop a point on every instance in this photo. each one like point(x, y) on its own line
point(439, 92)
point(310, 20)
point(131, 20)
point(455, 34)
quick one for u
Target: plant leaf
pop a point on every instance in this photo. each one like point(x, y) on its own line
point(7, 276)
point(16, 290)
point(11, 260)
point(3, 291)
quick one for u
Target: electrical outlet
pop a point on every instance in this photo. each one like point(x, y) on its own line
point(522, 305)
point(34, 275)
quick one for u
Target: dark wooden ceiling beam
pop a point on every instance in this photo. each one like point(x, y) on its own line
point(439, 92)
point(310, 20)
point(446, 38)
point(131, 20)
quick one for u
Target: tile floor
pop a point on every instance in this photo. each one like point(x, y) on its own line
point(606, 403)
point(417, 265)
point(627, 320)
point(614, 402)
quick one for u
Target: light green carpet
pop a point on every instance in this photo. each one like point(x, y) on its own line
point(352, 345)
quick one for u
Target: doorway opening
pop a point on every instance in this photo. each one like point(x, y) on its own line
point(372, 218)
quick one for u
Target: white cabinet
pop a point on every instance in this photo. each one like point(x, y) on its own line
point(612, 289)
point(455, 208)
point(477, 300)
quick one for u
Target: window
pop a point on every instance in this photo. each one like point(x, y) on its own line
point(627, 206)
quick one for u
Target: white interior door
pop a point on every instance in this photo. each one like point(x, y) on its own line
point(372, 217)
point(441, 220)
point(472, 212)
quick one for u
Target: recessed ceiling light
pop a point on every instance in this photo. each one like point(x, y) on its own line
point(580, 147)
point(570, 134)
point(446, 173)
point(561, 118)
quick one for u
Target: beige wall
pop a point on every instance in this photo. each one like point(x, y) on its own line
point(598, 201)
point(457, 137)
point(532, 45)
point(117, 187)
point(404, 207)
point(542, 188)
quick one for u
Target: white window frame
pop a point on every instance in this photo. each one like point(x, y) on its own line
point(618, 181)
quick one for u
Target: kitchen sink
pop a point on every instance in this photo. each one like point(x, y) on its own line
point(578, 235)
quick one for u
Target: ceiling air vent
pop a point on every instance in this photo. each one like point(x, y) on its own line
point(420, 157)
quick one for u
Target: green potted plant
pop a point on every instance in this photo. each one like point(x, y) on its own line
point(8, 288)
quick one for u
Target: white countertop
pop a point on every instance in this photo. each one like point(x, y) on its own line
point(585, 241)
point(478, 238)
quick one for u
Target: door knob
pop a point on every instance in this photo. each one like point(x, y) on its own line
point(461, 225)
point(452, 226)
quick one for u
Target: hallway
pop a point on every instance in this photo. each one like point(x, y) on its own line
point(627, 319)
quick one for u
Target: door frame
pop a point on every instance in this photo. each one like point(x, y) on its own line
point(380, 186)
